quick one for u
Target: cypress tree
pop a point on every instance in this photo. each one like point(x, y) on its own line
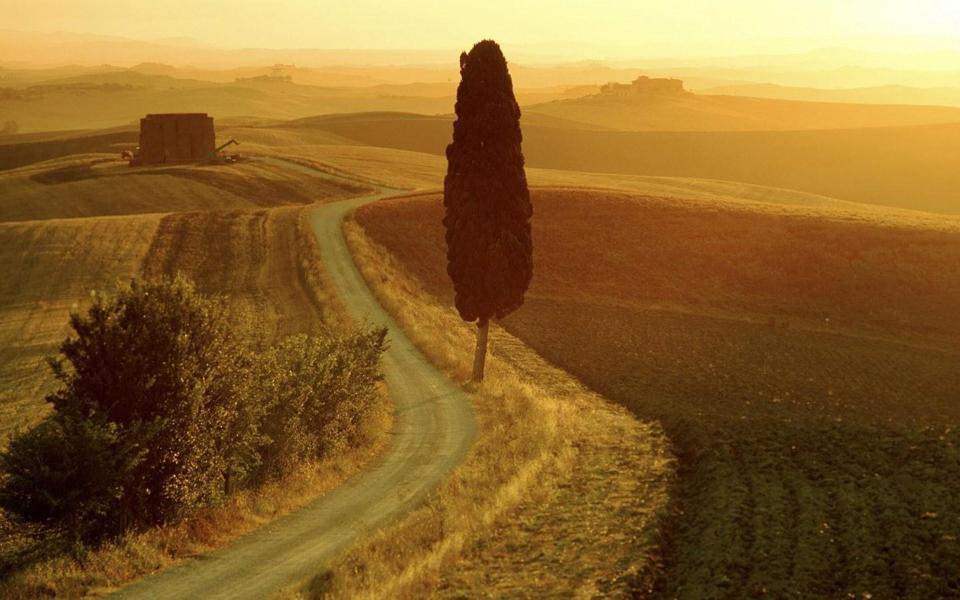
point(487, 220)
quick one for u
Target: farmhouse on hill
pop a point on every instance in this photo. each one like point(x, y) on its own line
point(645, 85)
point(176, 138)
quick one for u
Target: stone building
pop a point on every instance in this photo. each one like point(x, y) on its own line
point(176, 138)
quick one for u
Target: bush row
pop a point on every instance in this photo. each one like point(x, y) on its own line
point(164, 407)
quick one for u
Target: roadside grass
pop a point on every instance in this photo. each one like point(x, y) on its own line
point(548, 501)
point(803, 365)
point(86, 573)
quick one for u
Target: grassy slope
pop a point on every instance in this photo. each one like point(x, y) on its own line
point(250, 256)
point(908, 167)
point(264, 259)
point(693, 112)
point(19, 150)
point(418, 170)
point(257, 255)
point(818, 457)
point(551, 462)
point(257, 258)
point(49, 267)
point(94, 185)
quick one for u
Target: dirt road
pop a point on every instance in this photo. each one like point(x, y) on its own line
point(433, 431)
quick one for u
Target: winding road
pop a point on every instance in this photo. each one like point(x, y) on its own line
point(433, 430)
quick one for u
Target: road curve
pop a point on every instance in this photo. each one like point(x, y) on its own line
point(433, 430)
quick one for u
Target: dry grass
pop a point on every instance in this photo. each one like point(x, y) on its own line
point(46, 269)
point(256, 258)
point(96, 573)
point(818, 458)
point(560, 496)
point(95, 185)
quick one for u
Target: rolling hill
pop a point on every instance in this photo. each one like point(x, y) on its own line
point(803, 365)
point(86, 102)
point(887, 94)
point(695, 112)
point(86, 185)
point(915, 168)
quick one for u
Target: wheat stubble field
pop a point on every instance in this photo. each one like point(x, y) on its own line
point(802, 361)
point(798, 350)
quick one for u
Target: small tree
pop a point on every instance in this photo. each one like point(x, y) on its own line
point(489, 246)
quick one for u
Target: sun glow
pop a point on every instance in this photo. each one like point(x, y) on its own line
point(629, 27)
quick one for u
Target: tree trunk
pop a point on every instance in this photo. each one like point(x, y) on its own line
point(480, 358)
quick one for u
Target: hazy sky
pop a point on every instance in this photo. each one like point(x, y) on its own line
point(612, 27)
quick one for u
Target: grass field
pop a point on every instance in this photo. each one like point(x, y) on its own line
point(263, 259)
point(817, 457)
point(253, 257)
point(48, 268)
point(96, 184)
point(259, 259)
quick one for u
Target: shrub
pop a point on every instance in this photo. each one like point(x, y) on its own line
point(316, 392)
point(67, 474)
point(165, 366)
point(163, 408)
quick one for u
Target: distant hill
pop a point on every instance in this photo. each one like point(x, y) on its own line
point(98, 100)
point(629, 108)
point(888, 94)
point(71, 98)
